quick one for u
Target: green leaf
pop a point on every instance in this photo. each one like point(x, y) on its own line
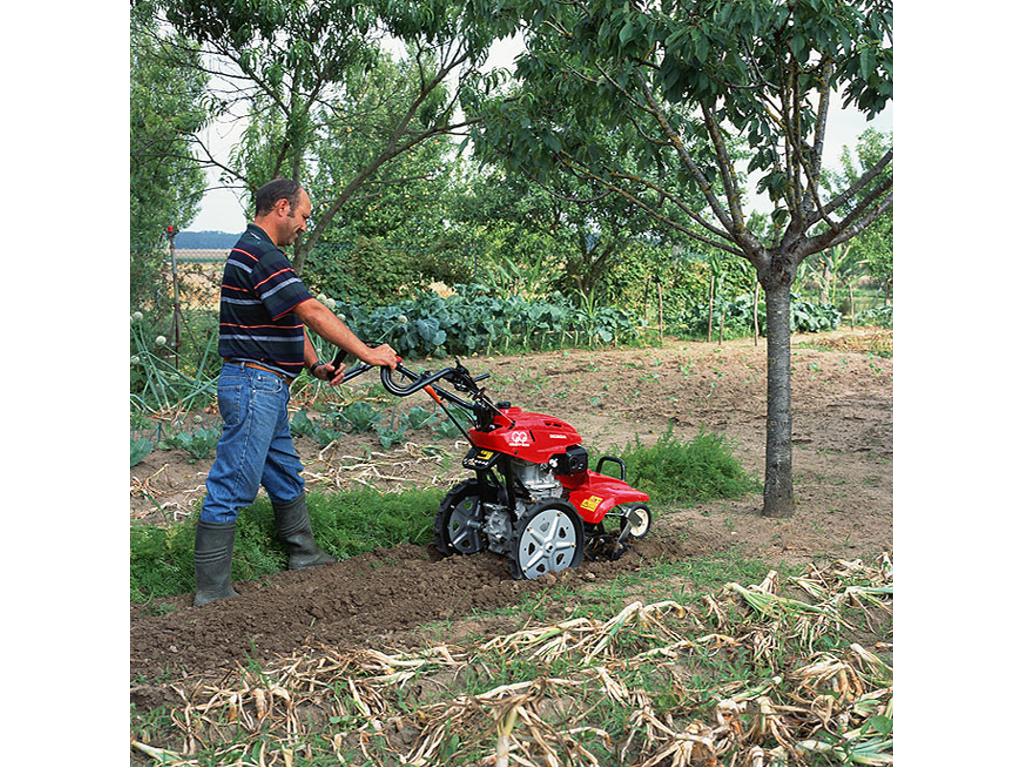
point(798, 46)
point(867, 62)
point(701, 47)
point(626, 33)
point(881, 724)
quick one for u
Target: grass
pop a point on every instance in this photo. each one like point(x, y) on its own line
point(680, 580)
point(346, 524)
point(685, 473)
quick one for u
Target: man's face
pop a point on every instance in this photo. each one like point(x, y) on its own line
point(292, 222)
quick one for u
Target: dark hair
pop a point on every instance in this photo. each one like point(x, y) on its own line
point(268, 195)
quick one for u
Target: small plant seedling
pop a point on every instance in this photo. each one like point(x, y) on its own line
point(198, 444)
point(419, 417)
point(447, 430)
point(359, 417)
point(390, 437)
point(141, 448)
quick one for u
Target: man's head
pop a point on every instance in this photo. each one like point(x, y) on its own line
point(282, 210)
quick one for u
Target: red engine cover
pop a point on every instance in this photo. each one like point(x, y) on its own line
point(533, 437)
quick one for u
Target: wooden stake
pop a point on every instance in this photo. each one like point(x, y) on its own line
point(176, 330)
point(661, 324)
point(757, 298)
point(721, 327)
point(711, 307)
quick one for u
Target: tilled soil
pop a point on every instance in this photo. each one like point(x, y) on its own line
point(842, 402)
point(379, 598)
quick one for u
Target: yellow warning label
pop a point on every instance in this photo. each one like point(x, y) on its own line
point(591, 504)
point(484, 455)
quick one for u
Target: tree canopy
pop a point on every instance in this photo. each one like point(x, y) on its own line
point(166, 184)
point(302, 73)
point(668, 83)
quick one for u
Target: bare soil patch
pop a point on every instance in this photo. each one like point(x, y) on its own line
point(842, 403)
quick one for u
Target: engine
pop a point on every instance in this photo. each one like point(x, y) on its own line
point(538, 479)
point(540, 483)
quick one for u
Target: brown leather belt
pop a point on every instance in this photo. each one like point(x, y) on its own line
point(258, 367)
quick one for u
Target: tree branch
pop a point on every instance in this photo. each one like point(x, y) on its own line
point(660, 217)
point(680, 147)
point(728, 172)
point(858, 185)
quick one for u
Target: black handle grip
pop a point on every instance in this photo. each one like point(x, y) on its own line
point(614, 460)
point(358, 370)
point(419, 381)
point(339, 360)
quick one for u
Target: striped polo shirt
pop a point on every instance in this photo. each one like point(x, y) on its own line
point(259, 292)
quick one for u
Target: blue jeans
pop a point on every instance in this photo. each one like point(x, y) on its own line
point(256, 446)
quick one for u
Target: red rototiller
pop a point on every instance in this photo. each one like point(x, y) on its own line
point(532, 497)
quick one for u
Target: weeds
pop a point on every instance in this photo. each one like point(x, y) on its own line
point(686, 473)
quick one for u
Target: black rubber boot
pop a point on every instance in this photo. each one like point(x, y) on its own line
point(214, 545)
point(294, 530)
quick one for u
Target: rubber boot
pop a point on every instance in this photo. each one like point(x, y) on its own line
point(214, 545)
point(295, 532)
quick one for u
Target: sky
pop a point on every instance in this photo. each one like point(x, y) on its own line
point(221, 209)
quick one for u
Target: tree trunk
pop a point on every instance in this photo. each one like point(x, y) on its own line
point(778, 470)
point(299, 255)
point(826, 282)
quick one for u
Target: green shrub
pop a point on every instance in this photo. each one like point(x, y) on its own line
point(685, 473)
point(447, 429)
point(346, 524)
point(810, 317)
point(366, 272)
point(389, 437)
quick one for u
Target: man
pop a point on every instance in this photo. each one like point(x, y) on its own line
point(264, 307)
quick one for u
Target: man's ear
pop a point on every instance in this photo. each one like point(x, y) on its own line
point(281, 207)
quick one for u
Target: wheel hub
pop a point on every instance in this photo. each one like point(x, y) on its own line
point(548, 545)
point(464, 528)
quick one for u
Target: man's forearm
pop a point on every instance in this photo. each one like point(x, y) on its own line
point(327, 325)
point(308, 353)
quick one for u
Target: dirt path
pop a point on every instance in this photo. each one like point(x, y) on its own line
point(843, 481)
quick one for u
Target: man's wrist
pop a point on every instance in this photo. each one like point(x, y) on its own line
point(315, 365)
